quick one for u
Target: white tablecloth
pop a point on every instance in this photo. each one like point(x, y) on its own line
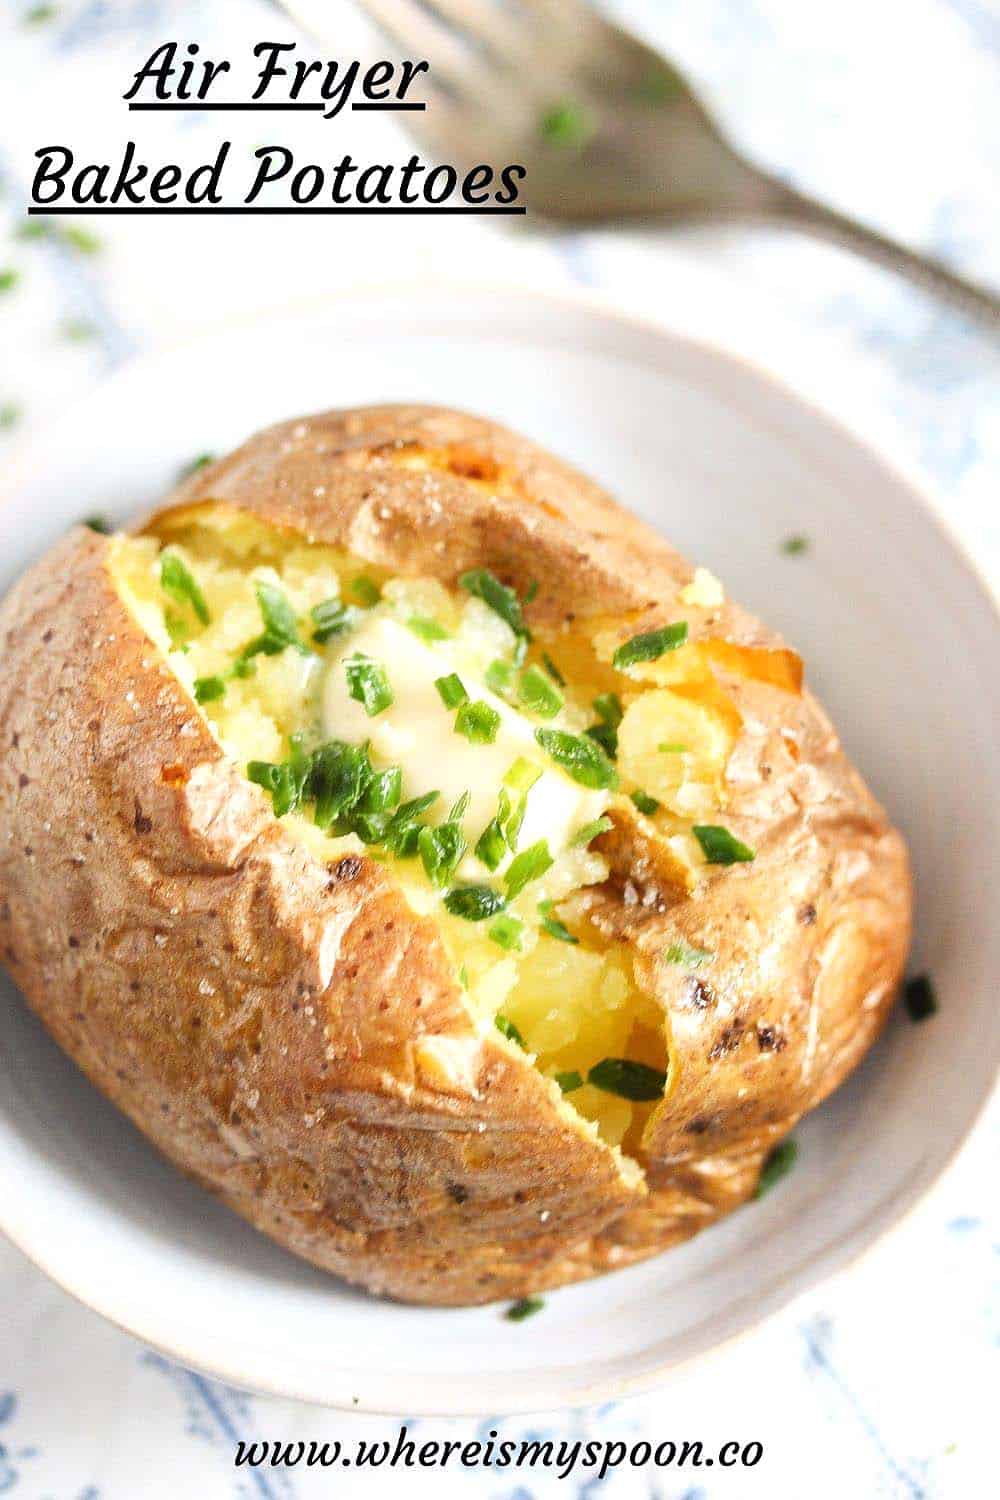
point(881, 1383)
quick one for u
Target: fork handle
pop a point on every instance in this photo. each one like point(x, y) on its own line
point(932, 275)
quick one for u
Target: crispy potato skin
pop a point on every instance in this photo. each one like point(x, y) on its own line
point(290, 1033)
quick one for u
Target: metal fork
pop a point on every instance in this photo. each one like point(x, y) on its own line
point(607, 128)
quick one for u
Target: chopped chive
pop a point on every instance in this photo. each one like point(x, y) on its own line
point(243, 667)
point(178, 581)
point(338, 777)
point(570, 1081)
point(684, 954)
point(403, 833)
point(460, 808)
point(463, 977)
point(502, 600)
point(672, 747)
point(201, 462)
point(552, 669)
point(280, 624)
point(100, 524)
point(365, 590)
point(720, 847)
point(538, 695)
point(526, 1307)
point(441, 850)
point(331, 618)
point(383, 791)
point(529, 865)
point(10, 415)
point(794, 546)
point(522, 775)
point(492, 844)
point(590, 831)
point(608, 708)
point(451, 690)
point(426, 628)
point(778, 1164)
point(531, 592)
point(650, 645)
point(9, 279)
point(627, 1079)
point(919, 998)
point(478, 721)
point(580, 757)
point(83, 240)
point(507, 932)
point(37, 15)
point(644, 802)
point(501, 677)
point(553, 926)
point(368, 684)
point(474, 902)
point(508, 1029)
point(207, 689)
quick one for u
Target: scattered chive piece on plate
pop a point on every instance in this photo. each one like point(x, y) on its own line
point(525, 1308)
point(100, 524)
point(778, 1164)
point(9, 279)
point(566, 124)
point(919, 998)
point(794, 546)
point(650, 645)
point(720, 847)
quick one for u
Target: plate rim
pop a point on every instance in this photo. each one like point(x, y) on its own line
point(837, 1259)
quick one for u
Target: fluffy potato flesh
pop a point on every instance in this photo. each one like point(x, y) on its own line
point(263, 628)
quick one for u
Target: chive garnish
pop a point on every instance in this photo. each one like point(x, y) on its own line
point(331, 618)
point(526, 1307)
point(507, 932)
point(207, 689)
point(644, 802)
point(365, 590)
point(451, 690)
point(590, 831)
point(502, 600)
point(720, 847)
point(8, 279)
point(570, 1081)
point(683, 953)
point(474, 902)
point(441, 850)
point(672, 747)
point(650, 645)
point(202, 461)
point(529, 865)
point(501, 677)
point(538, 695)
point(580, 757)
point(553, 926)
point(479, 722)
point(100, 524)
point(552, 669)
point(508, 1029)
point(177, 580)
point(368, 684)
point(280, 625)
point(794, 546)
point(627, 1079)
point(427, 628)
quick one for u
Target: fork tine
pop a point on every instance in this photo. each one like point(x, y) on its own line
point(458, 67)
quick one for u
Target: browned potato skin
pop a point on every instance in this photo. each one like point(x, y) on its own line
point(267, 1021)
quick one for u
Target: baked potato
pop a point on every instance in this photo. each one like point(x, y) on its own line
point(430, 861)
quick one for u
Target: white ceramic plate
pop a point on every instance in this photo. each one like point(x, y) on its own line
point(900, 639)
